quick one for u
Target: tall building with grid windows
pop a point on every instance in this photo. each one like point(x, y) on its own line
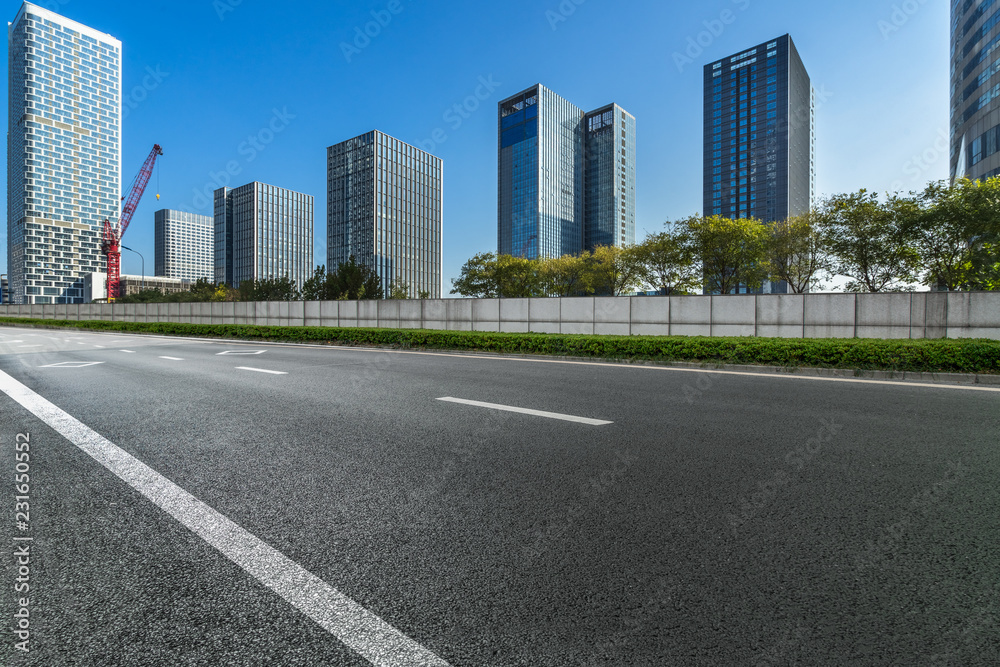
point(975, 89)
point(759, 159)
point(63, 153)
point(759, 134)
point(385, 207)
point(184, 245)
point(566, 177)
point(262, 232)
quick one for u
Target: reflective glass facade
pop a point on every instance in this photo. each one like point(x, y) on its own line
point(63, 153)
point(759, 150)
point(385, 207)
point(261, 232)
point(560, 173)
point(184, 245)
point(975, 88)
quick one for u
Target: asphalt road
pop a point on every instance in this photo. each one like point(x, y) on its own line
point(718, 519)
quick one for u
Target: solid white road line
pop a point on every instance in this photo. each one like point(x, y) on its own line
point(171, 358)
point(526, 411)
point(128, 351)
point(260, 370)
point(365, 633)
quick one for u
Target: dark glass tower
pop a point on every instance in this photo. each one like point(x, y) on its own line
point(385, 207)
point(975, 88)
point(759, 134)
point(566, 178)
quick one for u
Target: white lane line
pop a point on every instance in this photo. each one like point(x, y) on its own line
point(237, 353)
point(260, 370)
point(27, 346)
point(74, 364)
point(128, 351)
point(101, 347)
point(369, 636)
point(171, 358)
point(526, 411)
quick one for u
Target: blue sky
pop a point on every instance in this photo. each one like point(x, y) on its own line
point(204, 78)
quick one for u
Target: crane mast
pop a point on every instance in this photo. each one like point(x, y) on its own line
point(112, 237)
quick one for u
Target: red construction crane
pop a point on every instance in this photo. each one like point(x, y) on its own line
point(111, 245)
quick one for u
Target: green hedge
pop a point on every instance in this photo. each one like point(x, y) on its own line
point(939, 356)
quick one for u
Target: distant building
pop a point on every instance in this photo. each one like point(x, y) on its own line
point(96, 285)
point(759, 136)
point(184, 245)
point(566, 177)
point(384, 207)
point(63, 153)
point(261, 232)
point(975, 89)
point(4, 296)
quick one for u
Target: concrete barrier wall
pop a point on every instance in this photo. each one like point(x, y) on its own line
point(887, 316)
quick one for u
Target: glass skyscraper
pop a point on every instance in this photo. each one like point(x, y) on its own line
point(759, 134)
point(184, 245)
point(385, 207)
point(63, 153)
point(975, 88)
point(566, 179)
point(262, 232)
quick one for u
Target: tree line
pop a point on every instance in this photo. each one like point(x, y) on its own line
point(946, 237)
point(349, 281)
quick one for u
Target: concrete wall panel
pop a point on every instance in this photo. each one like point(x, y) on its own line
point(296, 313)
point(886, 316)
point(782, 310)
point(388, 314)
point(613, 310)
point(368, 314)
point(651, 310)
point(486, 314)
point(411, 314)
point(313, 314)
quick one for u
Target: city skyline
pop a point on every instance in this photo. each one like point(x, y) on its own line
point(884, 99)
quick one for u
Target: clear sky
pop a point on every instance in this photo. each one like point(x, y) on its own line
point(208, 80)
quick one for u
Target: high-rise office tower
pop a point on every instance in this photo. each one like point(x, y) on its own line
point(385, 207)
point(184, 245)
point(63, 153)
point(262, 232)
point(759, 134)
point(975, 89)
point(566, 177)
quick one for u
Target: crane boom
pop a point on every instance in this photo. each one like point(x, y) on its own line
point(111, 245)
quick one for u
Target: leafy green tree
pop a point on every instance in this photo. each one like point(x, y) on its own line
point(569, 275)
point(518, 278)
point(667, 260)
point(615, 271)
point(798, 253)
point(869, 242)
point(955, 232)
point(314, 288)
point(478, 278)
point(399, 291)
point(203, 290)
point(733, 252)
point(354, 282)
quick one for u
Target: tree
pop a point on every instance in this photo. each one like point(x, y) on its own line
point(667, 260)
point(568, 275)
point(399, 290)
point(614, 270)
point(733, 252)
point(868, 240)
point(478, 278)
point(354, 282)
point(798, 253)
point(314, 288)
point(955, 232)
point(518, 277)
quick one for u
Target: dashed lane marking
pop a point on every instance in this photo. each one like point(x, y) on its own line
point(526, 411)
point(260, 370)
